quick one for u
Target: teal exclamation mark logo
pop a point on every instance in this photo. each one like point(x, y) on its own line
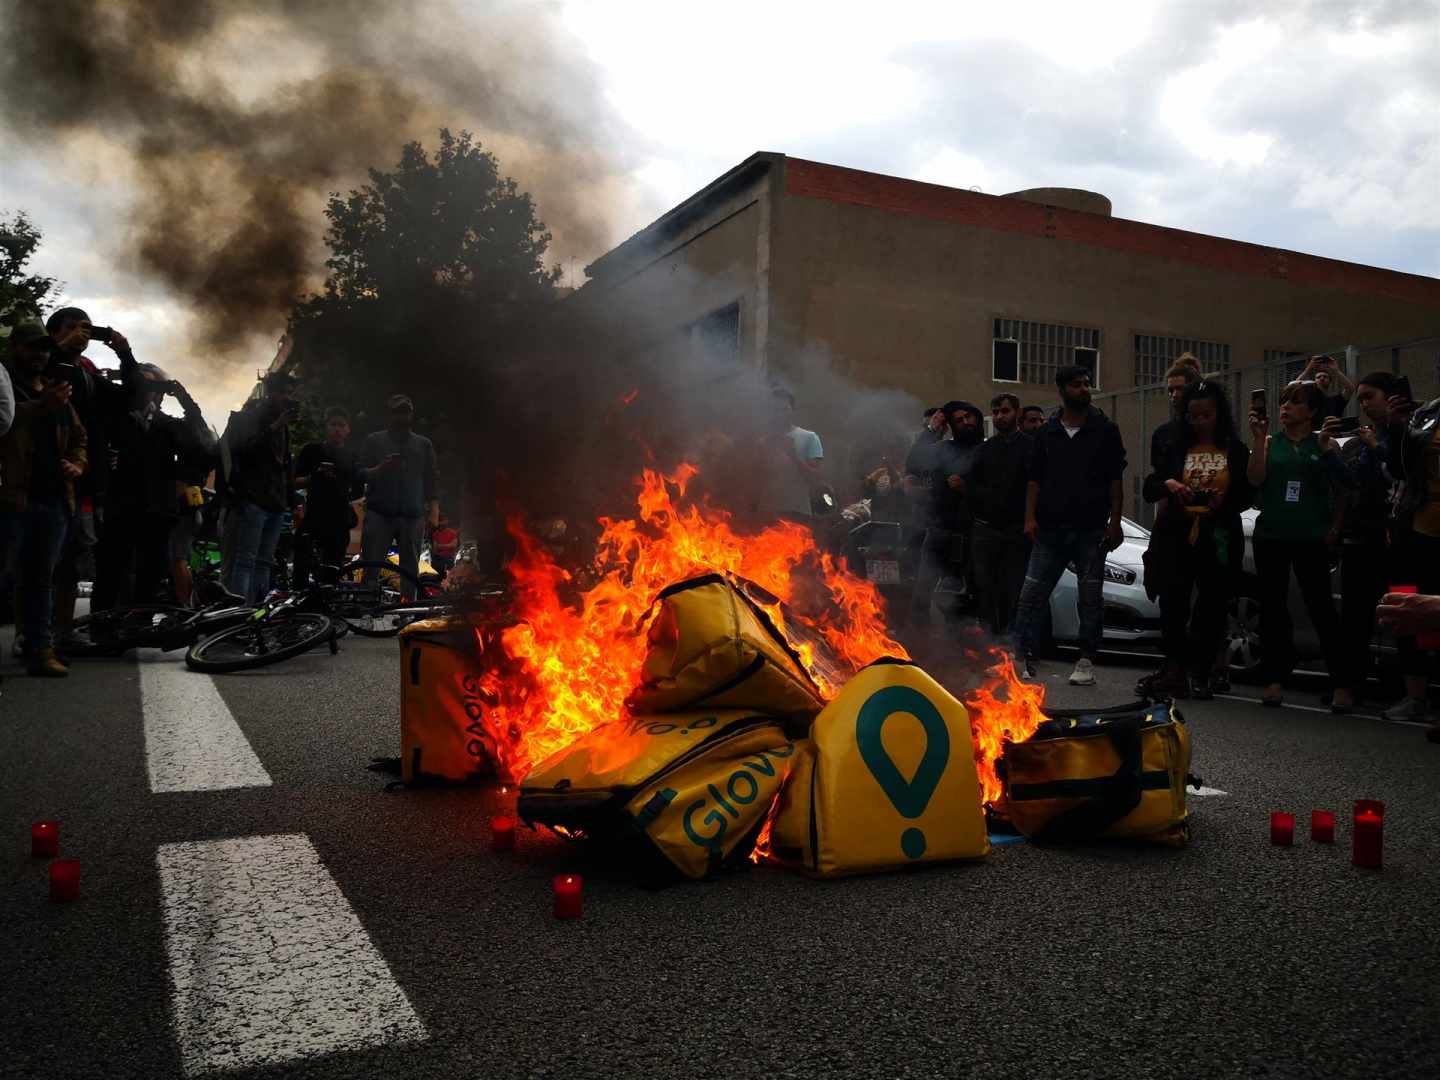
point(909, 797)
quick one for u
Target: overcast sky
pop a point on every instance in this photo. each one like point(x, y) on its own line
point(1306, 125)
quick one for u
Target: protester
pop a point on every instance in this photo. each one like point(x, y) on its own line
point(1295, 473)
point(142, 504)
point(195, 461)
point(260, 484)
point(1031, 417)
point(933, 429)
point(444, 545)
point(41, 456)
point(7, 402)
point(1199, 477)
point(401, 496)
point(1184, 373)
point(996, 490)
point(946, 462)
point(1364, 562)
point(1335, 388)
point(796, 463)
point(99, 404)
point(332, 478)
point(1414, 461)
point(1072, 515)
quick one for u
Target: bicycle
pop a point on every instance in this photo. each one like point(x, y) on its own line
point(118, 630)
point(284, 626)
point(378, 608)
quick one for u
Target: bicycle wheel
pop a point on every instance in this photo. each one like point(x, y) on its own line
point(375, 608)
point(387, 621)
point(118, 630)
point(256, 644)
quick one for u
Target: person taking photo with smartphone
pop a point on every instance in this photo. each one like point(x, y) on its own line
point(1296, 473)
point(259, 443)
point(1335, 387)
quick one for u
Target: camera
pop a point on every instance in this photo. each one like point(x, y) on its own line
point(1257, 403)
point(1348, 425)
point(103, 334)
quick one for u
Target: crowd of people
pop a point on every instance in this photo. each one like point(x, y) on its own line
point(99, 484)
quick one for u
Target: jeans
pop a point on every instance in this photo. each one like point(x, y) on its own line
point(30, 544)
point(1054, 550)
point(1191, 630)
point(1310, 560)
point(380, 530)
point(257, 531)
point(937, 552)
point(318, 547)
point(1000, 559)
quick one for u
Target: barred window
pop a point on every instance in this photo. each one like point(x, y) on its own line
point(1032, 352)
point(1293, 361)
point(1156, 353)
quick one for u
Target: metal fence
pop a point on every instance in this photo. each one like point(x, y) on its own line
point(1141, 409)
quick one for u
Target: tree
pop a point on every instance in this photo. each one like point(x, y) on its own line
point(22, 295)
point(431, 265)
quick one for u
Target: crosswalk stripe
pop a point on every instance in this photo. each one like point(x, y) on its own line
point(268, 961)
point(192, 742)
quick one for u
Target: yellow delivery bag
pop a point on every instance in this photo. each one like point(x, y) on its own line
point(691, 788)
point(1120, 773)
point(887, 780)
point(444, 731)
point(711, 647)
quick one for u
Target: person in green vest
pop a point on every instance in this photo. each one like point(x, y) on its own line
point(1297, 474)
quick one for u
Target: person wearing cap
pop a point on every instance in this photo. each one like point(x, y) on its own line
point(41, 456)
point(402, 481)
point(259, 442)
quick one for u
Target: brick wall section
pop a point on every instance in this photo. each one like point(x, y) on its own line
point(813, 180)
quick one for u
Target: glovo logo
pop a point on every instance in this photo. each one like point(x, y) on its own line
point(739, 789)
point(910, 797)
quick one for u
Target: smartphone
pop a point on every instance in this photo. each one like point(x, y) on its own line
point(1348, 425)
point(103, 334)
point(1257, 403)
point(1402, 388)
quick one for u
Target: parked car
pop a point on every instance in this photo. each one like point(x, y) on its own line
point(1131, 617)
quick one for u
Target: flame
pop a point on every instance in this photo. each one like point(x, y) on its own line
point(1002, 709)
point(572, 654)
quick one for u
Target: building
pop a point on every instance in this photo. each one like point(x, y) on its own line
point(949, 293)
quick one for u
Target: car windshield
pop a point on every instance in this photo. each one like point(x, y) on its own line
point(1133, 531)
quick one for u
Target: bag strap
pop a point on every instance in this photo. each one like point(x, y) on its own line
point(1116, 798)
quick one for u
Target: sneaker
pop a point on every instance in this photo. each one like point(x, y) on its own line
point(1220, 682)
point(1032, 671)
point(1201, 688)
point(1408, 709)
point(44, 664)
point(1084, 673)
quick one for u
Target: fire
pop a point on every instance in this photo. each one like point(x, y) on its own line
point(573, 654)
point(993, 720)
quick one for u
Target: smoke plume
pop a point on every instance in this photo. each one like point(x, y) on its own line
point(236, 118)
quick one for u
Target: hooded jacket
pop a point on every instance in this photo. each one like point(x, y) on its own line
point(17, 447)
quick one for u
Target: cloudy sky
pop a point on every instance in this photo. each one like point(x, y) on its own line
point(1313, 126)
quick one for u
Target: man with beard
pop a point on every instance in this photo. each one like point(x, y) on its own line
point(1031, 417)
point(947, 521)
point(1072, 514)
point(401, 498)
point(996, 490)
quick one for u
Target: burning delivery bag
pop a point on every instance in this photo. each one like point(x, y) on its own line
point(444, 732)
point(712, 647)
point(681, 791)
point(1120, 773)
point(887, 779)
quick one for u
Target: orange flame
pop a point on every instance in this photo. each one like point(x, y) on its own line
point(993, 720)
point(571, 657)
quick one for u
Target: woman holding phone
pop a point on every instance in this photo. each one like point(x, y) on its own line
point(1296, 473)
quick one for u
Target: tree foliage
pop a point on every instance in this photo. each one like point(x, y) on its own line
point(22, 295)
point(432, 264)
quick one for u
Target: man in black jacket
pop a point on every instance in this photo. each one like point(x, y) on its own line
point(259, 447)
point(996, 490)
point(942, 466)
point(1072, 514)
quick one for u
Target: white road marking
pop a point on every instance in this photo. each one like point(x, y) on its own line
point(268, 961)
point(192, 742)
point(1312, 708)
point(1203, 792)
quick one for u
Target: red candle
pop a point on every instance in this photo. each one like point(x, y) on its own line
point(45, 839)
point(568, 892)
point(1322, 826)
point(1282, 828)
point(502, 833)
point(1408, 589)
point(65, 879)
point(1369, 834)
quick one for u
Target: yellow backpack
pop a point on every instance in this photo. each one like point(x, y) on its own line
point(711, 647)
point(1119, 773)
point(681, 791)
point(444, 734)
point(887, 779)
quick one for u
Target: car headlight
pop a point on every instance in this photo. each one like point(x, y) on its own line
point(1119, 574)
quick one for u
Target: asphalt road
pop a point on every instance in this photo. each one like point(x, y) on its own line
point(1228, 958)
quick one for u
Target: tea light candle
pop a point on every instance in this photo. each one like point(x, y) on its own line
point(44, 839)
point(1322, 826)
point(1369, 834)
point(1282, 828)
point(569, 890)
point(65, 879)
point(502, 833)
